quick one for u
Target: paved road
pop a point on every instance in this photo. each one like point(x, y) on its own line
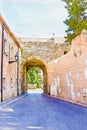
point(38, 112)
point(37, 90)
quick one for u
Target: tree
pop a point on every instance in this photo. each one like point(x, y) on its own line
point(35, 76)
point(77, 18)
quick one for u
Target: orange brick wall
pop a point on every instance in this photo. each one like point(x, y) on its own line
point(67, 75)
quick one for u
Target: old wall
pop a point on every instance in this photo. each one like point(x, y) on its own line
point(45, 49)
point(67, 75)
point(0, 56)
point(9, 70)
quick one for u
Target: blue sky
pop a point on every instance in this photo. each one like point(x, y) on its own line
point(34, 18)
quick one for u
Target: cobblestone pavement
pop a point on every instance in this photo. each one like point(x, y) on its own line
point(39, 112)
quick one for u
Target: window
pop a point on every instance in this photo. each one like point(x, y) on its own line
point(4, 45)
point(11, 52)
point(4, 83)
point(11, 49)
point(65, 52)
point(11, 82)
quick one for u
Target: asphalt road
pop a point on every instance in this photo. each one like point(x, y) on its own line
point(39, 112)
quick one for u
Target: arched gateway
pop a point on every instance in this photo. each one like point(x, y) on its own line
point(34, 62)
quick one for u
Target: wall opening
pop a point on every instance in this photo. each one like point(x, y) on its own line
point(35, 80)
point(65, 52)
point(28, 65)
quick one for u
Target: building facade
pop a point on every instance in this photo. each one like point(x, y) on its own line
point(67, 75)
point(38, 52)
point(10, 81)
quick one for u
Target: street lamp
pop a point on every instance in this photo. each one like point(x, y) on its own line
point(16, 60)
point(16, 57)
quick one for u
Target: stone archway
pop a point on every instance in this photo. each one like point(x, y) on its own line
point(34, 63)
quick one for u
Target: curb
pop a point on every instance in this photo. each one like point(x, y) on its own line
point(15, 99)
point(74, 103)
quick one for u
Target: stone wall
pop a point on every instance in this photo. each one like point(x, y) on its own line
point(46, 50)
point(67, 75)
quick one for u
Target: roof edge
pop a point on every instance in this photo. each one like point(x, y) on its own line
point(9, 31)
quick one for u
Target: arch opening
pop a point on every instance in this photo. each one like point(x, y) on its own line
point(27, 66)
point(35, 80)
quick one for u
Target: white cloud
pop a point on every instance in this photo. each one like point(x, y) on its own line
point(36, 1)
point(38, 18)
point(58, 13)
point(0, 2)
point(55, 13)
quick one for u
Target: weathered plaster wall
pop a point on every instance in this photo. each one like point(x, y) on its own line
point(67, 75)
point(0, 56)
point(9, 70)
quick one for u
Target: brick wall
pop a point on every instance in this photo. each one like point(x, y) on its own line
point(67, 75)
